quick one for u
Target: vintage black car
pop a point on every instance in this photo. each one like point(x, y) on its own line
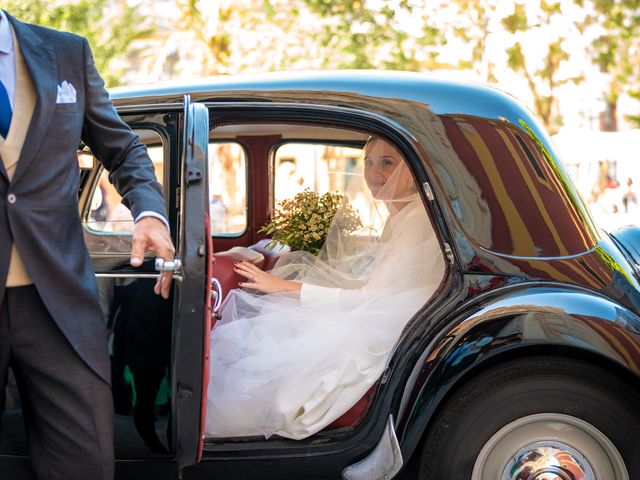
point(526, 364)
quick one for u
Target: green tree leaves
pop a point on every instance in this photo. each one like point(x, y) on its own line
point(616, 49)
point(110, 27)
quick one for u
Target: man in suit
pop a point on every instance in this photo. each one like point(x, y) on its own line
point(52, 331)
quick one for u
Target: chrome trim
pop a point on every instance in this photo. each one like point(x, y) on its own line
point(548, 460)
point(428, 191)
point(177, 277)
point(449, 253)
point(163, 265)
point(150, 107)
point(383, 463)
point(216, 296)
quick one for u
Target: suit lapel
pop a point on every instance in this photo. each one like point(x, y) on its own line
point(42, 64)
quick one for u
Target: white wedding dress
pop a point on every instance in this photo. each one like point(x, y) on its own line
point(289, 367)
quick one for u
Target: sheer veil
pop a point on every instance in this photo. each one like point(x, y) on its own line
point(290, 366)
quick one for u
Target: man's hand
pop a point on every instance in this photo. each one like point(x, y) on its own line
point(151, 234)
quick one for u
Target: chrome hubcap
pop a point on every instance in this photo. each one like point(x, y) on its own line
point(548, 461)
point(549, 446)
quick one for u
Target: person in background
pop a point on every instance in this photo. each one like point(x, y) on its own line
point(629, 196)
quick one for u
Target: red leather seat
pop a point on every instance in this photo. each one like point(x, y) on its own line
point(223, 266)
point(353, 416)
point(271, 255)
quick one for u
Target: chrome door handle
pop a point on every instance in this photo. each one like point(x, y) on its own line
point(163, 265)
point(216, 297)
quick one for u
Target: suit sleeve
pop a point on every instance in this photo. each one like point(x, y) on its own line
point(117, 147)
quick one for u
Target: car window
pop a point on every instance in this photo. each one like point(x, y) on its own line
point(317, 166)
point(509, 191)
point(227, 189)
point(107, 214)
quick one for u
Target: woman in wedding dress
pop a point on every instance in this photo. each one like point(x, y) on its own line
point(300, 345)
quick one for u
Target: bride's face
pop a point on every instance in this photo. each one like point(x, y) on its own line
point(385, 171)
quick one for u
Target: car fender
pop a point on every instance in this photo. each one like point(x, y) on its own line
point(533, 320)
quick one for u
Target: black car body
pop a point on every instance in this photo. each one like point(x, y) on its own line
point(538, 317)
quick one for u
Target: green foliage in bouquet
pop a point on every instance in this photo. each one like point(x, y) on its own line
point(303, 221)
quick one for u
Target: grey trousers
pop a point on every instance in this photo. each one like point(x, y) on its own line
point(67, 407)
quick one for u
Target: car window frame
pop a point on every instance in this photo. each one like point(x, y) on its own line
point(96, 173)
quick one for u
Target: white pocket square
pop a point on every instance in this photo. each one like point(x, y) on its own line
point(66, 93)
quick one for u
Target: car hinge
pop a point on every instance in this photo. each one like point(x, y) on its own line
point(449, 253)
point(193, 175)
point(184, 393)
point(428, 191)
point(178, 191)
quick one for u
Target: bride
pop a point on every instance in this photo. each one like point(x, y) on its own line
point(300, 345)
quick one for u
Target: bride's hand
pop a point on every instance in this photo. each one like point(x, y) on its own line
point(263, 281)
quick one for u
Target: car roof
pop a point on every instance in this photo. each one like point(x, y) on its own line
point(443, 95)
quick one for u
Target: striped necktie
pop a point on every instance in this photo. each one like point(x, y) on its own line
point(5, 111)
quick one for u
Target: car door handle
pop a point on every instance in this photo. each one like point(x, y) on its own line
point(163, 265)
point(215, 291)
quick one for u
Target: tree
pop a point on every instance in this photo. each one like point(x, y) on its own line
point(109, 26)
point(357, 34)
point(216, 41)
point(246, 35)
point(472, 23)
point(634, 119)
point(544, 77)
point(616, 49)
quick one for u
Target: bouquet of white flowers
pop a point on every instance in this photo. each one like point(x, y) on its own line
point(303, 221)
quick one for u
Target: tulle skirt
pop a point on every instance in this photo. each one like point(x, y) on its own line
point(288, 366)
point(279, 367)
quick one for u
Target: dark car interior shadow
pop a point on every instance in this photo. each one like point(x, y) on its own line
point(139, 337)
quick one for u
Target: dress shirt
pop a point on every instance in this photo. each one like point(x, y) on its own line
point(7, 58)
point(8, 77)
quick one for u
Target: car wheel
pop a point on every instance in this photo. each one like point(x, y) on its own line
point(539, 419)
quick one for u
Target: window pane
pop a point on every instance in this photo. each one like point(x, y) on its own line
point(107, 213)
point(227, 188)
point(318, 167)
point(496, 174)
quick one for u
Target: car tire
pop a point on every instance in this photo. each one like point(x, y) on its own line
point(536, 417)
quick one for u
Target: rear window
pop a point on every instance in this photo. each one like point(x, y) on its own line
point(509, 192)
point(321, 167)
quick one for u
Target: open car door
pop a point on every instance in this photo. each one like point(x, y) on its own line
point(189, 333)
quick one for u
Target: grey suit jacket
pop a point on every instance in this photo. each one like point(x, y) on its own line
point(43, 221)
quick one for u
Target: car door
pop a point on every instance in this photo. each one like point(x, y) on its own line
point(180, 132)
point(191, 325)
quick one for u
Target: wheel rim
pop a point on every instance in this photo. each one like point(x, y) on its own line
point(549, 446)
